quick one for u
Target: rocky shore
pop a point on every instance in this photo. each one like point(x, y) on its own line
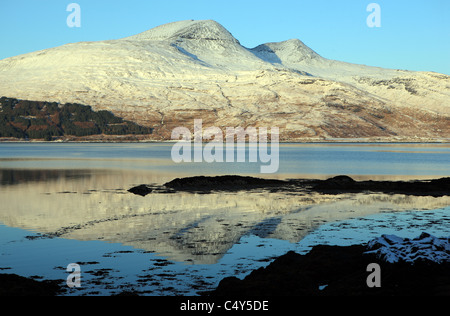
point(334, 185)
point(345, 271)
point(406, 267)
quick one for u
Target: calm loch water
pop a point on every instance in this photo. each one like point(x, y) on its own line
point(68, 203)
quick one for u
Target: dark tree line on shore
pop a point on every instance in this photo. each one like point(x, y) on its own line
point(44, 120)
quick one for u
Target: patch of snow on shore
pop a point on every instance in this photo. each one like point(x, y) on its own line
point(393, 249)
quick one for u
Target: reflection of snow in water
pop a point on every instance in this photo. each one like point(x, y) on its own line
point(112, 268)
point(409, 224)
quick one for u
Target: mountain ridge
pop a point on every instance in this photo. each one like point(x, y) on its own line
point(188, 29)
point(169, 75)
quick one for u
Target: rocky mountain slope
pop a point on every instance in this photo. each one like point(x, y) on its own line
point(167, 76)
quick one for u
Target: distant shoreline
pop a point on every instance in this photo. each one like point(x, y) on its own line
point(324, 141)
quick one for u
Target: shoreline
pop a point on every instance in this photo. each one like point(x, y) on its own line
point(128, 139)
point(281, 143)
point(325, 270)
point(328, 270)
point(345, 265)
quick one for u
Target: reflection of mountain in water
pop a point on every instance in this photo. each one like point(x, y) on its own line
point(182, 226)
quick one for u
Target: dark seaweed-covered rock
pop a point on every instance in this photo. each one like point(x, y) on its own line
point(223, 183)
point(338, 271)
point(141, 190)
point(334, 185)
point(15, 285)
point(343, 184)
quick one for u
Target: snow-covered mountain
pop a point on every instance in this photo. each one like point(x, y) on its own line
point(169, 75)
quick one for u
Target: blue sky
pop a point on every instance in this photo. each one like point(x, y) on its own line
point(414, 35)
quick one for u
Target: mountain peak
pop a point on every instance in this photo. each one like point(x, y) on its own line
point(169, 75)
point(188, 30)
point(290, 51)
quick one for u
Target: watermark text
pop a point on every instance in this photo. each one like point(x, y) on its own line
point(233, 150)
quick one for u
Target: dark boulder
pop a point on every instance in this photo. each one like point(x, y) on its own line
point(141, 190)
